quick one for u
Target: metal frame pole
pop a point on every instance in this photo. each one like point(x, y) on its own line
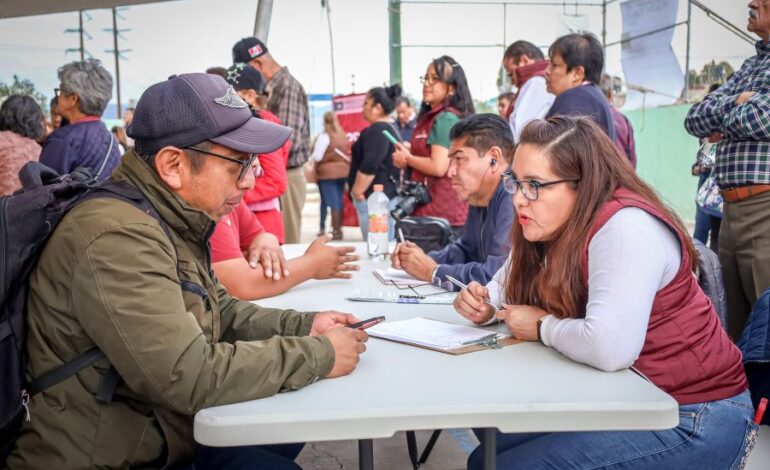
point(262, 20)
point(117, 57)
point(687, 55)
point(604, 27)
point(331, 46)
point(394, 20)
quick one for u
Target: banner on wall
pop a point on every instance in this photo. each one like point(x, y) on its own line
point(350, 113)
point(653, 74)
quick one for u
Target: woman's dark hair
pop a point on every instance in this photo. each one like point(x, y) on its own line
point(520, 48)
point(22, 115)
point(577, 149)
point(403, 100)
point(452, 73)
point(581, 49)
point(484, 131)
point(386, 97)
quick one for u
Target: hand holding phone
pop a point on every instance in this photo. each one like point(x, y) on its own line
point(364, 324)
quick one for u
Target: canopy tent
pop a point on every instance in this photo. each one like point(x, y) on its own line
point(16, 8)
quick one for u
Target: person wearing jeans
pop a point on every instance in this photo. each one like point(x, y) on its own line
point(332, 167)
point(606, 306)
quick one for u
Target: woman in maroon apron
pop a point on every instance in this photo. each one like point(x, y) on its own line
point(446, 100)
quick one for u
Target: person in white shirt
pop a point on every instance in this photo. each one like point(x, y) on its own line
point(525, 65)
point(601, 270)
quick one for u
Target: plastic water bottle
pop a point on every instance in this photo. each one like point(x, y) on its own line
point(377, 241)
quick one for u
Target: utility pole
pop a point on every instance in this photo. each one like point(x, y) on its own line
point(325, 4)
point(687, 54)
point(82, 33)
point(394, 43)
point(118, 53)
point(262, 20)
point(80, 30)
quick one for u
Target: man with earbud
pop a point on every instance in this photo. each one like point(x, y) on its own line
point(481, 150)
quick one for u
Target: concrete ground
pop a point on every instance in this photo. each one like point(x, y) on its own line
point(389, 454)
point(453, 446)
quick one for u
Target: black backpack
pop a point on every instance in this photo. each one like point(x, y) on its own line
point(27, 220)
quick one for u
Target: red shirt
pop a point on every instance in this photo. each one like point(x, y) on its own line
point(271, 185)
point(234, 233)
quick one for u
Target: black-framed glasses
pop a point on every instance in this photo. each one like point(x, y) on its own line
point(529, 189)
point(245, 164)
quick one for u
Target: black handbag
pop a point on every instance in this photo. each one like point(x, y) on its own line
point(429, 233)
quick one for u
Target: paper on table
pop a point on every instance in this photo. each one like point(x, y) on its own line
point(398, 277)
point(428, 333)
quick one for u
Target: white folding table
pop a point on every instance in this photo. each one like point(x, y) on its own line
point(396, 387)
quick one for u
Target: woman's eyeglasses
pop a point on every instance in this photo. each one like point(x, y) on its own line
point(529, 189)
point(429, 80)
point(245, 164)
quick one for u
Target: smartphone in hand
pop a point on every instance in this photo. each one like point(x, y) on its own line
point(364, 324)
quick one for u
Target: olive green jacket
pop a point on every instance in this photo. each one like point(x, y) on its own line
point(110, 277)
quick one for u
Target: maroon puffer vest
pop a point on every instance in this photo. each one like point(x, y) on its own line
point(686, 352)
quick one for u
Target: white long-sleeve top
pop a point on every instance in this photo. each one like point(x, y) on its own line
point(630, 259)
point(532, 102)
point(321, 144)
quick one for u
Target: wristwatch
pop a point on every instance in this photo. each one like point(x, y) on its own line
point(539, 335)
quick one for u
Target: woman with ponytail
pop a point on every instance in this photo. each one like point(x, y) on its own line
point(371, 161)
point(445, 100)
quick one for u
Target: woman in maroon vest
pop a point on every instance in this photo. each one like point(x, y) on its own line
point(602, 271)
point(446, 99)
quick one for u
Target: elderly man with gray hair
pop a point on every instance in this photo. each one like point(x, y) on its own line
point(85, 89)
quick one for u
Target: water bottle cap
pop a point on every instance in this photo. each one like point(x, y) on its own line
point(378, 188)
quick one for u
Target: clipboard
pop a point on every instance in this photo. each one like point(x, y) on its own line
point(454, 339)
point(396, 277)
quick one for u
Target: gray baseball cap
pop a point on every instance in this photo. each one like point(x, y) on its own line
point(191, 108)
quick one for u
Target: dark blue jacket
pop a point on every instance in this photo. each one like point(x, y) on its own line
point(755, 339)
point(483, 247)
point(755, 347)
point(586, 100)
point(84, 143)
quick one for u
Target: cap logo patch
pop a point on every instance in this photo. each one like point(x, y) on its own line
point(255, 51)
point(231, 99)
point(234, 74)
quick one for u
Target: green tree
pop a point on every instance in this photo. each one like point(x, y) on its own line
point(23, 86)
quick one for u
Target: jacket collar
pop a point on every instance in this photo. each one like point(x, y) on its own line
point(190, 224)
point(535, 69)
point(763, 48)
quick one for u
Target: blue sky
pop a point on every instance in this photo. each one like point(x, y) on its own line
point(190, 35)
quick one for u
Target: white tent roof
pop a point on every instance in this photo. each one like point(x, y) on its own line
point(16, 8)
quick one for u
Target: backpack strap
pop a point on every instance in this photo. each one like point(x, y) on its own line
point(109, 382)
point(62, 373)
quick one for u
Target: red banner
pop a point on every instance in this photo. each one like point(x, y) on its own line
point(350, 113)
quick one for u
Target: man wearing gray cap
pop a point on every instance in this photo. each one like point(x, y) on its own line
point(137, 285)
